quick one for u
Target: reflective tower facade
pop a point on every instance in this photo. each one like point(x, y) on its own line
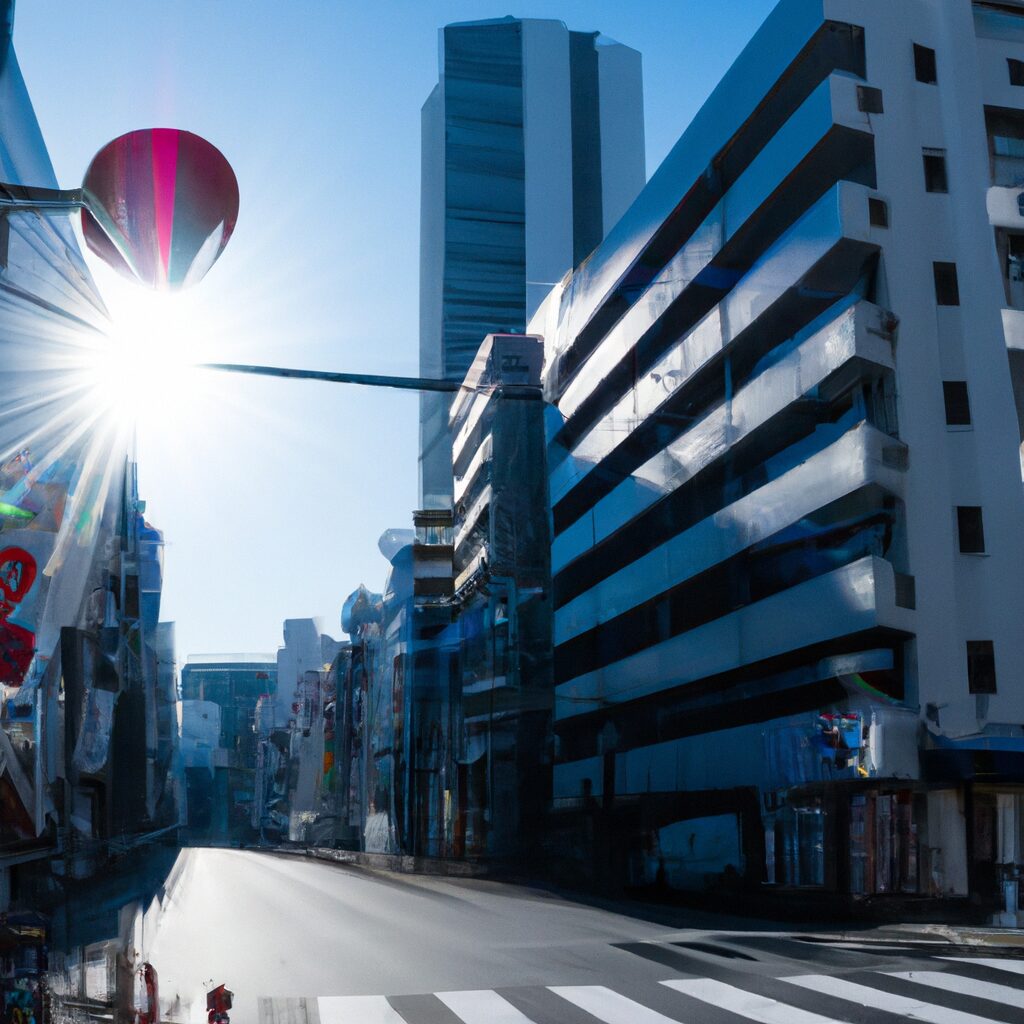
point(533, 146)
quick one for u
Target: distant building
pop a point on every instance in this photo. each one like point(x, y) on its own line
point(501, 604)
point(784, 475)
point(292, 730)
point(219, 694)
point(533, 146)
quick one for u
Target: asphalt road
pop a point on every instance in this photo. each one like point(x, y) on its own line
point(305, 942)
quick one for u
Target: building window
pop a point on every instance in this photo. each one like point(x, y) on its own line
point(878, 213)
point(869, 99)
point(1016, 71)
point(958, 407)
point(935, 170)
point(947, 290)
point(924, 64)
point(981, 666)
point(1005, 128)
point(970, 528)
point(1010, 250)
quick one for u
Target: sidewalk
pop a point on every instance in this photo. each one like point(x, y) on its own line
point(965, 935)
point(923, 933)
point(399, 863)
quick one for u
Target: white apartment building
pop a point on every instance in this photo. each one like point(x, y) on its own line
point(784, 461)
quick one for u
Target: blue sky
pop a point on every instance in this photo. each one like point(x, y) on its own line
point(272, 494)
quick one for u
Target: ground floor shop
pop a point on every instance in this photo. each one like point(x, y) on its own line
point(942, 848)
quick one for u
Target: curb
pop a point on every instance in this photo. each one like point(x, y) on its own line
point(398, 863)
point(924, 934)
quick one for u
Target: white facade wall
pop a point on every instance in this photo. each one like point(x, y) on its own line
point(724, 432)
point(960, 597)
point(301, 653)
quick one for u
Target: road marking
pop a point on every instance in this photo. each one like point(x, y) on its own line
point(999, 963)
point(968, 986)
point(357, 1010)
point(878, 1000)
point(746, 1004)
point(481, 1006)
point(609, 1006)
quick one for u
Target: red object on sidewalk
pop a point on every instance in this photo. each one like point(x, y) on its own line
point(151, 1014)
point(218, 1002)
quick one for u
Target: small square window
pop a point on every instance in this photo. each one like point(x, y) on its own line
point(878, 212)
point(869, 100)
point(958, 406)
point(981, 666)
point(947, 289)
point(924, 64)
point(970, 528)
point(935, 170)
point(1016, 71)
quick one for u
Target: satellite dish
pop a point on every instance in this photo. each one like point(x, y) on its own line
point(160, 205)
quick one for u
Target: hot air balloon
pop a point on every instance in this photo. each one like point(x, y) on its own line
point(159, 206)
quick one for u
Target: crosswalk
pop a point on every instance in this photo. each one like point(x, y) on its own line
point(946, 990)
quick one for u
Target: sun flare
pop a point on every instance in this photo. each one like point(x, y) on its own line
point(144, 369)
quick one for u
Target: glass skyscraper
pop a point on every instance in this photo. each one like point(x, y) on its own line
point(533, 146)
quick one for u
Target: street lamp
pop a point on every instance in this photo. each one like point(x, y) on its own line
point(159, 205)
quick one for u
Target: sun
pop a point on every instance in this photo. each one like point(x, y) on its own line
point(143, 371)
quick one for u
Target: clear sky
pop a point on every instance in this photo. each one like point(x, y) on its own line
point(272, 494)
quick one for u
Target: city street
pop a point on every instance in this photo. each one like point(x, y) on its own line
point(300, 941)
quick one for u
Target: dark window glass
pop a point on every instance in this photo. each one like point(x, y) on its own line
point(970, 528)
point(958, 406)
point(869, 99)
point(981, 666)
point(924, 64)
point(1016, 71)
point(1005, 127)
point(935, 170)
point(878, 213)
point(947, 290)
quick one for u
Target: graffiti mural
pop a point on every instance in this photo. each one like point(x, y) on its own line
point(17, 644)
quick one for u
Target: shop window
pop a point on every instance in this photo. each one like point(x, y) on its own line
point(947, 288)
point(878, 213)
point(958, 406)
point(935, 170)
point(981, 666)
point(970, 528)
point(799, 845)
point(1016, 71)
point(924, 65)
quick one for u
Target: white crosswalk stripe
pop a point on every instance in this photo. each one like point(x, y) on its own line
point(485, 1006)
point(357, 1010)
point(967, 986)
point(482, 1006)
point(746, 1004)
point(609, 1006)
point(999, 963)
point(916, 1009)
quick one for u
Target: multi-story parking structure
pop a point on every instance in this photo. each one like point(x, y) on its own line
point(784, 475)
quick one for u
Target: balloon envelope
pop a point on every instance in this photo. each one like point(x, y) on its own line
point(160, 205)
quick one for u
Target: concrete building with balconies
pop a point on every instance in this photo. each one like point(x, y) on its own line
point(786, 407)
point(502, 604)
